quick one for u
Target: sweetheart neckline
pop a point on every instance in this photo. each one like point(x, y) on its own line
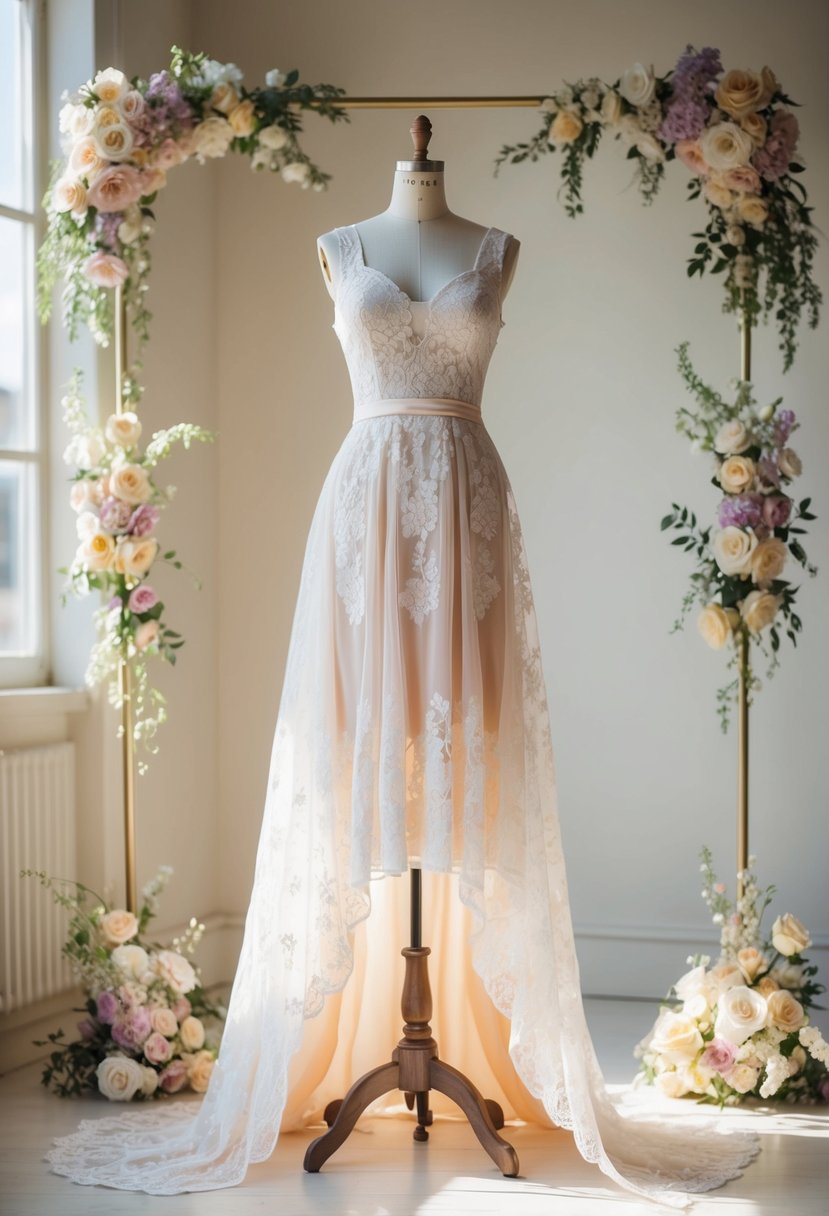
point(475, 268)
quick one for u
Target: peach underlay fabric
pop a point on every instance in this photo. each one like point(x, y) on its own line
point(413, 727)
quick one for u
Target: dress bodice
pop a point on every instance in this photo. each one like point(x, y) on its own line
point(373, 321)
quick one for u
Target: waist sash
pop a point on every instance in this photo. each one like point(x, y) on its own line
point(417, 405)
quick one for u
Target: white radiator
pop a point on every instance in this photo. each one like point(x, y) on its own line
point(37, 831)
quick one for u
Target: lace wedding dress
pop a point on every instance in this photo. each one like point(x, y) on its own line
point(413, 727)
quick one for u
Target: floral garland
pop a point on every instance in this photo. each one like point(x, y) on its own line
point(148, 1028)
point(740, 1028)
point(737, 136)
point(739, 565)
point(118, 507)
point(120, 139)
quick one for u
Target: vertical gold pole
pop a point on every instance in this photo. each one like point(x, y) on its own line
point(124, 673)
point(743, 660)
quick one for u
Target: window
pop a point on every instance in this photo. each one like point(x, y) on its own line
point(23, 468)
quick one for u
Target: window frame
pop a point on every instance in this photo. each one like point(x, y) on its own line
point(33, 668)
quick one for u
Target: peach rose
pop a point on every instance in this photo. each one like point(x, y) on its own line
point(224, 97)
point(192, 1033)
point(242, 118)
point(169, 154)
point(566, 127)
point(130, 482)
point(733, 548)
point(97, 552)
point(742, 92)
point(744, 179)
point(752, 962)
point(718, 194)
point(146, 634)
point(736, 474)
point(766, 986)
point(116, 188)
point(105, 269)
point(714, 624)
point(789, 936)
point(124, 428)
point(85, 159)
point(756, 127)
point(690, 153)
point(70, 195)
point(785, 1012)
point(767, 561)
point(164, 1021)
point(752, 209)
point(789, 463)
point(200, 1070)
point(759, 609)
point(118, 927)
point(134, 557)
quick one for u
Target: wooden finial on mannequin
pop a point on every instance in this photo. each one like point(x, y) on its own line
point(421, 133)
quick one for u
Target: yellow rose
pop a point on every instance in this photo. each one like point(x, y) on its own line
point(740, 92)
point(130, 482)
point(118, 927)
point(97, 551)
point(752, 209)
point(242, 118)
point(736, 474)
point(676, 1037)
point(611, 108)
point(191, 1033)
point(766, 986)
point(756, 127)
point(751, 962)
point(785, 1012)
point(714, 625)
point(201, 1067)
point(789, 936)
point(767, 561)
point(718, 194)
point(224, 97)
point(733, 549)
point(758, 610)
point(565, 127)
point(134, 557)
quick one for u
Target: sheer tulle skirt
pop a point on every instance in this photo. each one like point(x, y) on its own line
point(413, 728)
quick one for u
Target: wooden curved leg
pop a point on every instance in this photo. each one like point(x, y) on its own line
point(373, 1085)
point(495, 1113)
point(424, 1117)
point(455, 1085)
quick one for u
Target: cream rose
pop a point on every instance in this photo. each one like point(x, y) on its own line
point(650, 147)
point(714, 624)
point(766, 986)
point(741, 1012)
point(114, 142)
point(124, 429)
point(273, 138)
point(132, 105)
point(85, 160)
point(736, 474)
point(696, 1007)
point(119, 1078)
point(297, 171)
point(735, 235)
point(211, 138)
point(752, 209)
point(175, 971)
point(732, 437)
point(132, 960)
point(637, 85)
point(224, 97)
point(566, 127)
point(146, 634)
point(725, 146)
point(131, 483)
point(767, 561)
point(752, 962)
point(789, 463)
point(200, 1070)
point(691, 983)
point(134, 557)
point(756, 127)
point(759, 609)
point(164, 1021)
point(673, 1084)
point(743, 1078)
point(741, 92)
point(242, 118)
point(676, 1037)
point(108, 116)
point(789, 936)
point(110, 85)
point(69, 194)
point(611, 108)
point(149, 1082)
point(718, 194)
point(97, 552)
point(118, 926)
point(785, 1012)
point(192, 1034)
point(733, 548)
point(725, 976)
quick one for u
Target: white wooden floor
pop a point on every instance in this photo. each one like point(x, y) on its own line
point(381, 1172)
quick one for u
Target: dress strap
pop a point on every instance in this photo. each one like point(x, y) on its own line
point(492, 256)
point(349, 254)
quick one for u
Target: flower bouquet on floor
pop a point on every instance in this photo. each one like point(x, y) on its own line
point(148, 1026)
point(740, 1028)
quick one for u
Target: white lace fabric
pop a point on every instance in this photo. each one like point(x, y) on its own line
point(413, 726)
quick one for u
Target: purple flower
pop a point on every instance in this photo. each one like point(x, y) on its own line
point(107, 1006)
point(142, 599)
point(784, 425)
point(132, 1029)
point(824, 1088)
point(115, 514)
point(776, 510)
point(741, 511)
point(143, 520)
point(166, 114)
point(719, 1055)
point(87, 1029)
point(769, 472)
point(692, 83)
point(772, 160)
point(115, 602)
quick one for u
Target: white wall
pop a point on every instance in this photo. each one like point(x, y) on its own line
point(580, 400)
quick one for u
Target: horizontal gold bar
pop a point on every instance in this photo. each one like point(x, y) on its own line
point(441, 103)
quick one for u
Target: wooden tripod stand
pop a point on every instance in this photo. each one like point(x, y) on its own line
point(415, 1069)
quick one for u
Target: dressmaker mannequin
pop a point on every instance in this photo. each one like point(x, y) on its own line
point(420, 245)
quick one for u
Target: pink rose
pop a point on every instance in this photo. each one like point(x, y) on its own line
point(158, 1050)
point(143, 520)
point(174, 1077)
point(116, 188)
point(776, 510)
point(772, 160)
point(690, 153)
point(719, 1055)
point(115, 514)
point(132, 1029)
point(743, 178)
point(169, 154)
point(182, 1008)
point(142, 599)
point(105, 269)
